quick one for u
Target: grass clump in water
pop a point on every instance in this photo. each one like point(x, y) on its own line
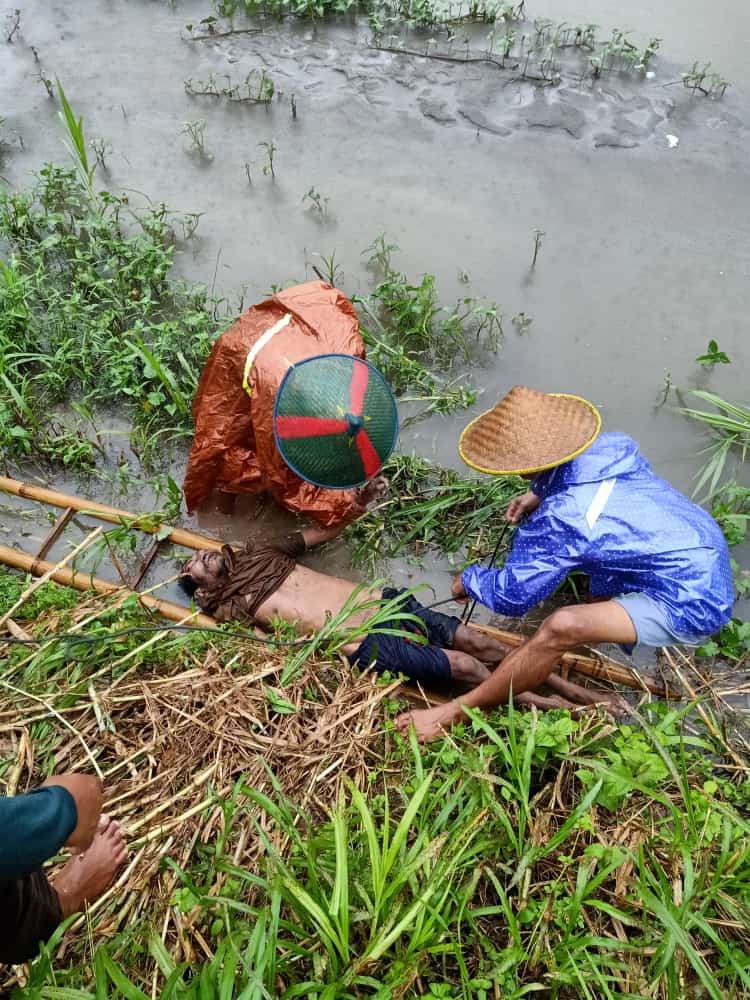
point(409, 334)
point(90, 315)
point(429, 507)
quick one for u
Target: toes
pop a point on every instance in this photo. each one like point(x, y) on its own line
point(104, 822)
point(114, 830)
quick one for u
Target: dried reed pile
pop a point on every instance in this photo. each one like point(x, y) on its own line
point(174, 745)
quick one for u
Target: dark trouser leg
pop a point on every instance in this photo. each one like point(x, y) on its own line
point(29, 913)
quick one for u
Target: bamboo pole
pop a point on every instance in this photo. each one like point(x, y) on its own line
point(180, 536)
point(589, 666)
point(84, 581)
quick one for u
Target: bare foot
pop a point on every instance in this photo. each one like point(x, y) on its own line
point(429, 723)
point(610, 701)
point(87, 875)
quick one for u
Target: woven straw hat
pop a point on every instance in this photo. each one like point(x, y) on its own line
point(529, 431)
point(335, 420)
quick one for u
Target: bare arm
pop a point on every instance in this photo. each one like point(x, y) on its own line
point(317, 536)
point(373, 490)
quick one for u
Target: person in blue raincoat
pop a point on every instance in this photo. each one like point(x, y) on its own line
point(657, 563)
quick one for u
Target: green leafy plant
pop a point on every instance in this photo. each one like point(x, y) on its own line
point(730, 424)
point(713, 356)
point(703, 80)
point(730, 508)
point(90, 316)
point(256, 88)
point(431, 507)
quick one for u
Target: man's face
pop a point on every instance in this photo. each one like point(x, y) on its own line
point(207, 568)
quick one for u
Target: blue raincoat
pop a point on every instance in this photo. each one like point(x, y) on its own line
point(608, 515)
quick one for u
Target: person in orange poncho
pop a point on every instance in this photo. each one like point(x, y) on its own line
point(234, 450)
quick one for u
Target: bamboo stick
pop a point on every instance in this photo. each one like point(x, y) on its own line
point(180, 536)
point(589, 666)
point(49, 570)
point(83, 581)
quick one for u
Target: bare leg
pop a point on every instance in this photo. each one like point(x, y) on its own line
point(87, 875)
point(529, 666)
point(477, 644)
point(612, 701)
point(544, 702)
point(466, 669)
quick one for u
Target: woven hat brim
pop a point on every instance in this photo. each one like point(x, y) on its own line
point(532, 469)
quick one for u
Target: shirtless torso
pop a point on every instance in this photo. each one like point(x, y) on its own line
point(308, 599)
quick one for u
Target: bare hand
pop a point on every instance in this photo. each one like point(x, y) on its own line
point(89, 798)
point(374, 490)
point(522, 506)
point(429, 723)
point(457, 589)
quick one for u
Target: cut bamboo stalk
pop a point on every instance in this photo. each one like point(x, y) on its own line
point(48, 569)
point(84, 581)
point(589, 666)
point(180, 536)
point(55, 532)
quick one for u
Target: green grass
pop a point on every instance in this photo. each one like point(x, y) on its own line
point(729, 423)
point(431, 508)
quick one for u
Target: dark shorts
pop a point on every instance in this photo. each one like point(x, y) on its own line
point(427, 664)
point(29, 913)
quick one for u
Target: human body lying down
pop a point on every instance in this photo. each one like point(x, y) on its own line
point(264, 584)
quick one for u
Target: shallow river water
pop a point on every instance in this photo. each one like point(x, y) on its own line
point(645, 256)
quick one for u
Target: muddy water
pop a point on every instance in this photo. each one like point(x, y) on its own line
point(645, 256)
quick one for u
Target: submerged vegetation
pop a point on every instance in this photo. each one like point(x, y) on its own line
point(89, 317)
point(284, 845)
point(431, 508)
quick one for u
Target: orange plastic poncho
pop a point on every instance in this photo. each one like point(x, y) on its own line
point(233, 447)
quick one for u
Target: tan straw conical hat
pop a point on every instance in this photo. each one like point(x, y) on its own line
point(529, 431)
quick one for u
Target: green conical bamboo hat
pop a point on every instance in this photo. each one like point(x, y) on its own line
point(335, 420)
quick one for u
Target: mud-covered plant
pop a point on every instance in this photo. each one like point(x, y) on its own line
point(268, 166)
point(256, 88)
point(539, 235)
point(101, 150)
point(316, 203)
point(195, 131)
point(703, 80)
point(12, 24)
